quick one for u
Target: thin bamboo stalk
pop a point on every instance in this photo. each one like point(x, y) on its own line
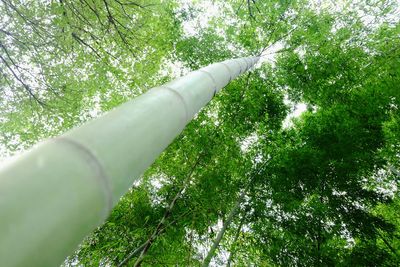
point(220, 235)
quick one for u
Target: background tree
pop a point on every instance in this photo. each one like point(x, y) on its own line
point(64, 62)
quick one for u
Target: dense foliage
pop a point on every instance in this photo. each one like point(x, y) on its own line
point(279, 188)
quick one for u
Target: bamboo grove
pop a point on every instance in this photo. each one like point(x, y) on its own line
point(294, 163)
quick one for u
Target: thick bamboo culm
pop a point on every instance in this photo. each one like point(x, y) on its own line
point(55, 194)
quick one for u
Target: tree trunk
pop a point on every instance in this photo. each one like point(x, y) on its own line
point(57, 193)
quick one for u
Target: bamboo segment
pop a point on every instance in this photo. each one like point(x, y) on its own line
point(55, 194)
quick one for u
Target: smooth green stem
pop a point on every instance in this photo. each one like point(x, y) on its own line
point(54, 195)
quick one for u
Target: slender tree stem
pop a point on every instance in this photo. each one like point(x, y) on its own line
point(145, 247)
point(232, 249)
point(388, 244)
point(221, 233)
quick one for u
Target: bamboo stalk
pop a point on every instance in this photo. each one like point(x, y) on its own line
point(211, 252)
point(55, 194)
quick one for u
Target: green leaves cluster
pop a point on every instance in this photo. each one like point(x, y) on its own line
point(322, 191)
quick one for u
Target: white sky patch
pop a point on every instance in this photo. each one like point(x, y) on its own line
point(297, 110)
point(209, 10)
point(345, 234)
point(322, 5)
point(247, 143)
point(173, 69)
point(95, 108)
point(383, 182)
point(269, 55)
point(366, 14)
point(157, 182)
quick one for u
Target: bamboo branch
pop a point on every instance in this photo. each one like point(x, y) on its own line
point(15, 75)
point(145, 247)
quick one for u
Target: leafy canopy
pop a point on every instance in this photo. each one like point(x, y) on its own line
point(319, 190)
